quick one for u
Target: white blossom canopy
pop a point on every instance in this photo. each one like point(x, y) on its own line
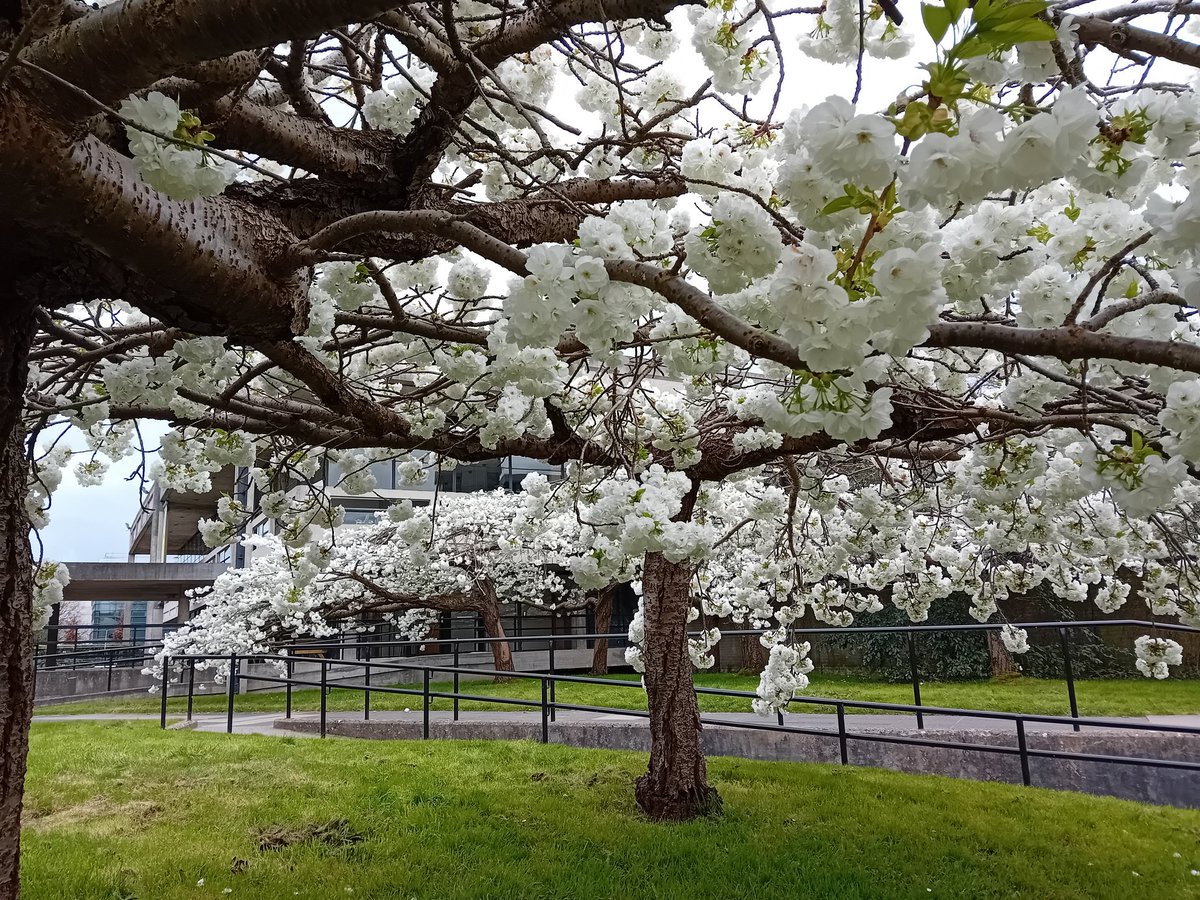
point(631, 238)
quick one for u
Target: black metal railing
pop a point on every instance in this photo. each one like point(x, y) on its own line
point(132, 653)
point(548, 704)
point(107, 657)
point(64, 648)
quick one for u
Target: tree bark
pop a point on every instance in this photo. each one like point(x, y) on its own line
point(604, 605)
point(1000, 660)
point(52, 629)
point(16, 593)
point(754, 655)
point(675, 788)
point(489, 610)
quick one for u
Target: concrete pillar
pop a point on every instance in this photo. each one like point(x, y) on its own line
point(154, 617)
point(158, 531)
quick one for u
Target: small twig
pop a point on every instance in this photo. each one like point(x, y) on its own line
point(18, 44)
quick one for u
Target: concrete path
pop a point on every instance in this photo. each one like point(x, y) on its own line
point(261, 722)
point(266, 722)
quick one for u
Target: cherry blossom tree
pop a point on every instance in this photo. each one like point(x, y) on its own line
point(630, 236)
point(468, 553)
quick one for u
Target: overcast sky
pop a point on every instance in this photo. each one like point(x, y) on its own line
point(91, 524)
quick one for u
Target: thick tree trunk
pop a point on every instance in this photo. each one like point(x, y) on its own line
point(489, 610)
point(676, 786)
point(1000, 660)
point(16, 595)
point(604, 605)
point(754, 654)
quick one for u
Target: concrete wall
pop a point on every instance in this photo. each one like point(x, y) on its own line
point(1152, 785)
point(67, 685)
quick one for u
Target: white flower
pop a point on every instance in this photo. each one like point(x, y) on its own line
point(467, 280)
point(1015, 640)
point(181, 172)
point(854, 149)
point(590, 275)
point(1155, 655)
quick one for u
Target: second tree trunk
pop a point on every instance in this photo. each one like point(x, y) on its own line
point(675, 787)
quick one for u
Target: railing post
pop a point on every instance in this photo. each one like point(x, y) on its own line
point(456, 646)
point(110, 668)
point(367, 693)
point(425, 711)
point(166, 681)
point(916, 685)
point(191, 686)
point(287, 709)
point(232, 690)
point(1024, 750)
point(545, 713)
point(324, 693)
point(1065, 639)
point(841, 714)
point(553, 682)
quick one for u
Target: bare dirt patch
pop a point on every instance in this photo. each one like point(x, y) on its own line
point(334, 834)
point(99, 816)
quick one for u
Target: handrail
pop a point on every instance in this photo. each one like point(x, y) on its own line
point(548, 706)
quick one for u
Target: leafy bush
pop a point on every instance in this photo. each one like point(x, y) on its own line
point(941, 656)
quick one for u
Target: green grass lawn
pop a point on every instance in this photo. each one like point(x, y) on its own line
point(1114, 697)
point(123, 811)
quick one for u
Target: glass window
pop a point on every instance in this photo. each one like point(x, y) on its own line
point(517, 467)
point(385, 475)
point(484, 476)
point(241, 485)
point(384, 472)
point(361, 511)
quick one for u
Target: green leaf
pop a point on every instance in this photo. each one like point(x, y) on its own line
point(1010, 34)
point(1013, 12)
point(947, 81)
point(976, 45)
point(915, 123)
point(838, 205)
point(937, 21)
point(981, 10)
point(956, 8)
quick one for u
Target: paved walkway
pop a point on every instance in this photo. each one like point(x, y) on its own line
point(264, 722)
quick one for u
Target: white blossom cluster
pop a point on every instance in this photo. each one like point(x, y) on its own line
point(181, 169)
point(1156, 655)
point(785, 674)
point(395, 106)
point(1015, 640)
point(49, 579)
